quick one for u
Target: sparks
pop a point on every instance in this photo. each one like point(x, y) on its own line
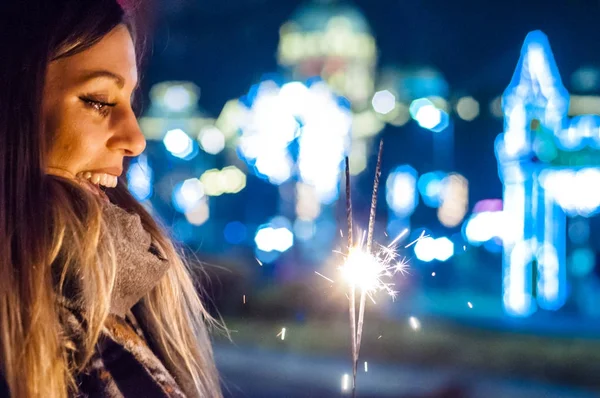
point(433, 274)
point(370, 272)
point(259, 262)
point(416, 240)
point(366, 367)
point(345, 382)
point(415, 324)
point(282, 334)
point(324, 277)
point(244, 299)
point(470, 305)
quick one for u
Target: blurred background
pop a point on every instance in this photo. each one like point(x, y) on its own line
point(490, 179)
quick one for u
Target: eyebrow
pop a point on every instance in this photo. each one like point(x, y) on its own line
point(103, 73)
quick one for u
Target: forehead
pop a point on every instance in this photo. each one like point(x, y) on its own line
point(115, 53)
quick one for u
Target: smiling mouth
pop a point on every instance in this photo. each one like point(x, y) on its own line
point(99, 179)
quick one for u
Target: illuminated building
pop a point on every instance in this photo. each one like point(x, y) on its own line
point(334, 41)
point(549, 166)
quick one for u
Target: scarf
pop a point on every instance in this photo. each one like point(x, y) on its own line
point(124, 363)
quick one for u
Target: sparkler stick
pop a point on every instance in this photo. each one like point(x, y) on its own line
point(352, 298)
point(366, 267)
point(363, 293)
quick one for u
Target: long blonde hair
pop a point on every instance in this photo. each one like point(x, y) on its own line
point(38, 213)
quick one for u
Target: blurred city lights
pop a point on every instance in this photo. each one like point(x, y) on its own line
point(467, 108)
point(537, 194)
point(178, 143)
point(428, 115)
point(444, 248)
point(455, 200)
point(304, 230)
point(313, 115)
point(230, 118)
point(367, 124)
point(401, 192)
point(211, 140)
point(428, 249)
point(140, 178)
point(383, 102)
point(308, 206)
point(270, 239)
point(174, 96)
point(431, 188)
point(187, 194)
point(199, 213)
point(582, 262)
point(484, 226)
point(177, 98)
point(332, 41)
point(358, 157)
point(576, 192)
point(229, 180)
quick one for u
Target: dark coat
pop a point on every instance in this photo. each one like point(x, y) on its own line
point(122, 366)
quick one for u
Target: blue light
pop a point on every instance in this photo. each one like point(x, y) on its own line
point(235, 232)
point(401, 191)
point(537, 193)
point(270, 239)
point(424, 112)
point(428, 249)
point(266, 257)
point(275, 235)
point(444, 248)
point(431, 188)
point(140, 179)
point(187, 194)
point(310, 115)
point(178, 143)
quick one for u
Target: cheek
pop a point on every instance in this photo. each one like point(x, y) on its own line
point(71, 144)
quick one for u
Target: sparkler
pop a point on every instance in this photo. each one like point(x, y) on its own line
point(366, 268)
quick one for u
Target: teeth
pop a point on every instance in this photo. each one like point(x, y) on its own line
point(104, 179)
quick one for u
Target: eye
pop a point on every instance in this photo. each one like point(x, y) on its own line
point(102, 107)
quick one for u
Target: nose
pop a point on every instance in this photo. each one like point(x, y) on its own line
point(129, 139)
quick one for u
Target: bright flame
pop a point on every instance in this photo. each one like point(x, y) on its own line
point(369, 271)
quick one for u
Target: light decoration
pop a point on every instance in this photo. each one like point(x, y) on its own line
point(548, 164)
point(422, 84)
point(140, 178)
point(401, 191)
point(467, 108)
point(274, 236)
point(188, 194)
point(173, 106)
point(428, 249)
point(428, 115)
point(309, 115)
point(229, 180)
point(211, 139)
point(333, 41)
point(454, 200)
point(178, 143)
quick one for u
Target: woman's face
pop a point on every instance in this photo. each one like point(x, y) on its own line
point(87, 110)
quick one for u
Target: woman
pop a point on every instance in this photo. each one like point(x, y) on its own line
point(94, 299)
